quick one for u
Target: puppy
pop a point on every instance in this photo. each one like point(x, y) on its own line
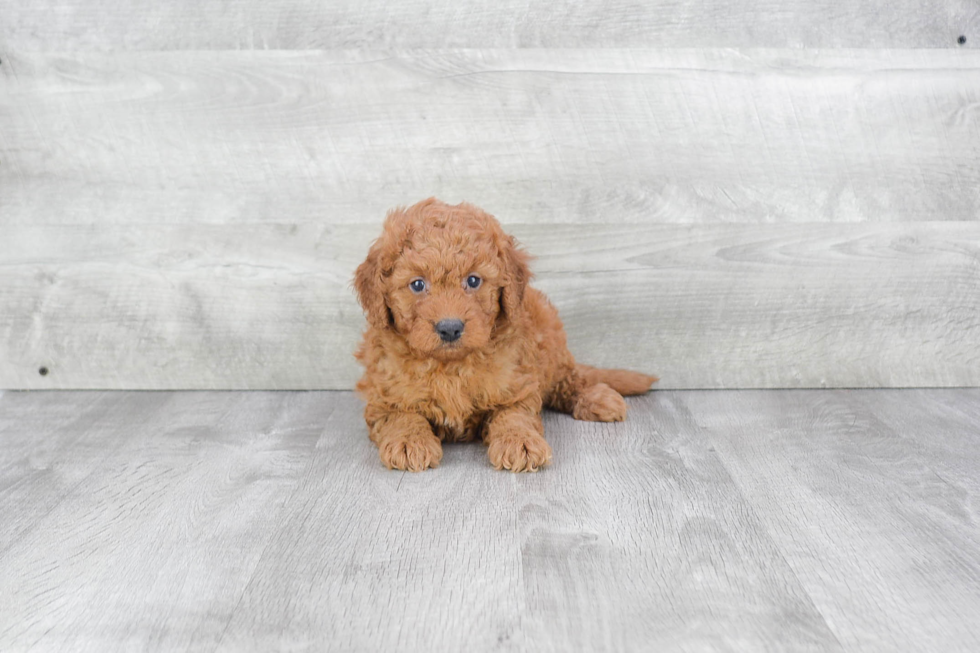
point(458, 346)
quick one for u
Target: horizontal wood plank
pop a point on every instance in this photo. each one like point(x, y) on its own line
point(311, 24)
point(535, 136)
point(704, 306)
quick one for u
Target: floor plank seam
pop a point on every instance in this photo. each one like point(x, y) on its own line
point(268, 543)
point(522, 586)
point(706, 438)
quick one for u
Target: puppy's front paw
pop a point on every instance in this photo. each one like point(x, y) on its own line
point(414, 453)
point(519, 452)
point(599, 403)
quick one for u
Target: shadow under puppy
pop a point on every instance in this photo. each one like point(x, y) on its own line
point(458, 346)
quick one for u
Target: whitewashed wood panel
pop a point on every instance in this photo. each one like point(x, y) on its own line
point(368, 559)
point(704, 306)
point(916, 416)
point(220, 524)
point(565, 560)
point(745, 520)
point(636, 539)
point(306, 24)
point(45, 453)
point(146, 515)
point(549, 136)
point(884, 540)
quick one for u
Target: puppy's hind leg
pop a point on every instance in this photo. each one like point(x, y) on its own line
point(599, 403)
point(596, 395)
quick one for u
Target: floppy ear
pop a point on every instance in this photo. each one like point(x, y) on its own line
point(517, 274)
point(369, 284)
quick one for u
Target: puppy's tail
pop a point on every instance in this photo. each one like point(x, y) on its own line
point(622, 381)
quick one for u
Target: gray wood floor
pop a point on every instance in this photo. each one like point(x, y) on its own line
point(710, 520)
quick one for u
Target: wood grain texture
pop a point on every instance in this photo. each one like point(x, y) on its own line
point(45, 453)
point(153, 511)
point(306, 24)
point(953, 414)
point(884, 539)
point(367, 559)
point(549, 136)
point(270, 306)
point(737, 520)
point(637, 540)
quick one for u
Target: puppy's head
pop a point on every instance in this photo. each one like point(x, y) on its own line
point(443, 277)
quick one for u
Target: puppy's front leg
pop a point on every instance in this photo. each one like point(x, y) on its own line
point(515, 440)
point(406, 441)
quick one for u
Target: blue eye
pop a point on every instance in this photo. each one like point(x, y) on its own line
point(473, 281)
point(417, 285)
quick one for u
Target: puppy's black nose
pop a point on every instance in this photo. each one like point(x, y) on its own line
point(449, 330)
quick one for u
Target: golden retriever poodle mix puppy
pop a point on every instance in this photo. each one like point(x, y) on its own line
point(458, 346)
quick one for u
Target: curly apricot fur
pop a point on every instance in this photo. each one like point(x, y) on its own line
point(510, 361)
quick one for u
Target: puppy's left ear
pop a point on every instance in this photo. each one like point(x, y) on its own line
point(517, 274)
point(369, 284)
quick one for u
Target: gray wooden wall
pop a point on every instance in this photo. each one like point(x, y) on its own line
point(726, 193)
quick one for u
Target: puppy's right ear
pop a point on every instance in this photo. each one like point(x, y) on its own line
point(369, 284)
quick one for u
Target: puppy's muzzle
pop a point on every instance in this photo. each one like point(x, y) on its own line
point(449, 330)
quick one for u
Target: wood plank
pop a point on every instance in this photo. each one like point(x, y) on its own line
point(270, 306)
point(775, 305)
point(941, 427)
point(885, 546)
point(536, 136)
point(306, 24)
point(45, 453)
point(21, 424)
point(257, 307)
point(152, 545)
point(367, 559)
point(637, 539)
point(746, 520)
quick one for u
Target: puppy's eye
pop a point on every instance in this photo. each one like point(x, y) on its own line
point(473, 281)
point(417, 285)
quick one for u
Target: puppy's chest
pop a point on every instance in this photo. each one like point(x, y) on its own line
point(455, 400)
point(456, 407)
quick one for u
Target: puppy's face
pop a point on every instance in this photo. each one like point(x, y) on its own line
point(443, 293)
point(443, 277)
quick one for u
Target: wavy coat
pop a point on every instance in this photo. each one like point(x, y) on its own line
point(437, 264)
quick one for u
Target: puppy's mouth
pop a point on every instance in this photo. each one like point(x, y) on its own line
point(450, 351)
point(453, 349)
